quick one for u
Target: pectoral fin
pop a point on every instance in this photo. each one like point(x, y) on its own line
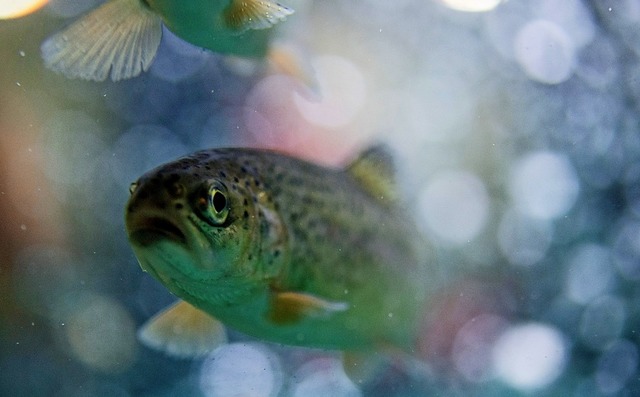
point(118, 39)
point(243, 15)
point(184, 331)
point(291, 307)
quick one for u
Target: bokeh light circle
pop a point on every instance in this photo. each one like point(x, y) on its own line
point(544, 185)
point(101, 334)
point(472, 5)
point(241, 369)
point(530, 356)
point(19, 8)
point(342, 93)
point(545, 52)
point(455, 205)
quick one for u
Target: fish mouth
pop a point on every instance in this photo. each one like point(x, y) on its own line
point(152, 230)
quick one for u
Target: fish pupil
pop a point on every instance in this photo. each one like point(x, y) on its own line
point(219, 201)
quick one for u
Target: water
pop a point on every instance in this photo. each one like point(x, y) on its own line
point(517, 134)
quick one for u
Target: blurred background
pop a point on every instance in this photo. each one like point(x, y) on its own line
point(516, 129)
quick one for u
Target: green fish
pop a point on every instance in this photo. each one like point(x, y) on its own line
point(121, 37)
point(280, 249)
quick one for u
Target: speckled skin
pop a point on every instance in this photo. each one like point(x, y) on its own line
point(292, 227)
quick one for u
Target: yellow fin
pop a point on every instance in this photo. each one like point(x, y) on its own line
point(291, 307)
point(243, 15)
point(118, 39)
point(184, 331)
point(374, 170)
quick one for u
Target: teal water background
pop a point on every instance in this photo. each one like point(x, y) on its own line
point(518, 139)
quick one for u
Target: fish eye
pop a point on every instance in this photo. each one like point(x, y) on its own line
point(133, 187)
point(214, 206)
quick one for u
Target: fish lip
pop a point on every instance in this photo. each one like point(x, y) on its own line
point(153, 229)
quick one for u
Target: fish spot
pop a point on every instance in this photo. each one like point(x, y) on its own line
point(222, 174)
point(174, 189)
point(236, 180)
point(179, 206)
point(245, 214)
point(276, 253)
point(243, 170)
point(245, 202)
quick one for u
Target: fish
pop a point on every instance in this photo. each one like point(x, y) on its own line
point(120, 38)
point(281, 249)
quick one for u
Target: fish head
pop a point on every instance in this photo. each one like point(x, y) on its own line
point(192, 227)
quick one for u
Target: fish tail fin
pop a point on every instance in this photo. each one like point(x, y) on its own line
point(118, 39)
point(243, 15)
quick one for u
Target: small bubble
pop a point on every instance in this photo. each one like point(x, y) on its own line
point(22, 53)
point(23, 227)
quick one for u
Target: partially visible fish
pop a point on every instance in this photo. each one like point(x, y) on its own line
point(120, 38)
point(282, 250)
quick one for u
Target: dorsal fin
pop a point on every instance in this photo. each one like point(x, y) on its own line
point(243, 15)
point(374, 170)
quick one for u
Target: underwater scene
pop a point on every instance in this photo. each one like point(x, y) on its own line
point(319, 198)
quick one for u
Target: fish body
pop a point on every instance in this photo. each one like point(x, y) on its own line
point(285, 250)
point(204, 23)
point(120, 38)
